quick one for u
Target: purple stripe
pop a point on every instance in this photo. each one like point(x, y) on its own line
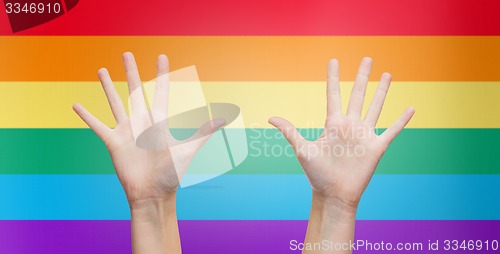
point(225, 236)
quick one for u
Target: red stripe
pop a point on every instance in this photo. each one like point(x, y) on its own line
point(266, 17)
point(63, 4)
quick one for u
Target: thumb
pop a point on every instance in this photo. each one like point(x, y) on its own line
point(205, 132)
point(289, 131)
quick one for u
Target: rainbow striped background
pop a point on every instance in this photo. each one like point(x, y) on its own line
point(439, 180)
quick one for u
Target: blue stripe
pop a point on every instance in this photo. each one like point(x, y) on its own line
point(252, 197)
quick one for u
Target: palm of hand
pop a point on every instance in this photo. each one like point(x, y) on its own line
point(143, 173)
point(346, 152)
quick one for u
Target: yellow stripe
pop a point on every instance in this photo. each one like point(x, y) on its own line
point(438, 104)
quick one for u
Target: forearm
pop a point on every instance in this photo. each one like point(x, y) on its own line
point(331, 221)
point(154, 226)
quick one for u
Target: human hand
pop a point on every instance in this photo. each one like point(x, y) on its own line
point(341, 162)
point(145, 174)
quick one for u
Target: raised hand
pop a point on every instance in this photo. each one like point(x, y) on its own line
point(341, 162)
point(149, 173)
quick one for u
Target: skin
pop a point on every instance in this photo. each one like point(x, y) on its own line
point(341, 162)
point(149, 177)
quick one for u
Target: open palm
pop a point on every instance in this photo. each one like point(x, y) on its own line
point(151, 169)
point(341, 162)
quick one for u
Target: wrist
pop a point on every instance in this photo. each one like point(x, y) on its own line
point(330, 219)
point(153, 209)
point(152, 201)
point(154, 225)
point(334, 207)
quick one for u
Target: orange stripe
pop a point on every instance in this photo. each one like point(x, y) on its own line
point(253, 58)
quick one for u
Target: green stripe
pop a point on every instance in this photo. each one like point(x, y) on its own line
point(415, 151)
point(228, 148)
